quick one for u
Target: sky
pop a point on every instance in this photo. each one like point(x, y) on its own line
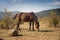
point(28, 5)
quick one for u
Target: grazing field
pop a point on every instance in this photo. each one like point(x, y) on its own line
point(45, 33)
point(37, 19)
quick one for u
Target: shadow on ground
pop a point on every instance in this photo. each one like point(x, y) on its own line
point(45, 30)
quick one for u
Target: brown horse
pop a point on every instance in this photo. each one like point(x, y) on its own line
point(27, 17)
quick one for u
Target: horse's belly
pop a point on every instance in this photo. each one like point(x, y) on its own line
point(25, 18)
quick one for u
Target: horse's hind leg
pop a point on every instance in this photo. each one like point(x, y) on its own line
point(33, 25)
point(18, 28)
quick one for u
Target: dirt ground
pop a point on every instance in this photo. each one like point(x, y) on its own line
point(43, 34)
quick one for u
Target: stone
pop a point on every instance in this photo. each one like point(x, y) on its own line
point(15, 33)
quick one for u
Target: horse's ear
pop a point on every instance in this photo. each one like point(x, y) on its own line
point(15, 16)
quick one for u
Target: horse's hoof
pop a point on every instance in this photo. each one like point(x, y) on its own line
point(33, 30)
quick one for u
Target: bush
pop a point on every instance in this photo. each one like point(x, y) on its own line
point(53, 19)
point(7, 22)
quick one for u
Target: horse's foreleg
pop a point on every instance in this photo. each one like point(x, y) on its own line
point(30, 26)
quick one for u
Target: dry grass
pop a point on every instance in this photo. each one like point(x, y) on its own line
point(45, 33)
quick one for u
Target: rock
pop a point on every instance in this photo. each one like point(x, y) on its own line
point(15, 33)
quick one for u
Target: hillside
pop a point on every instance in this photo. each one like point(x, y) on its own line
point(2, 13)
point(47, 12)
point(39, 14)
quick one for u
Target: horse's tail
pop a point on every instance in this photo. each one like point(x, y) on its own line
point(15, 16)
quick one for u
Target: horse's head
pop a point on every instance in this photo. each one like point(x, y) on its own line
point(37, 25)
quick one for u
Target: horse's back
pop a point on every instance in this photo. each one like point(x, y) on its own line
point(27, 16)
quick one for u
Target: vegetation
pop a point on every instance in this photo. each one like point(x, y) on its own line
point(51, 21)
point(7, 22)
point(51, 34)
point(54, 18)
